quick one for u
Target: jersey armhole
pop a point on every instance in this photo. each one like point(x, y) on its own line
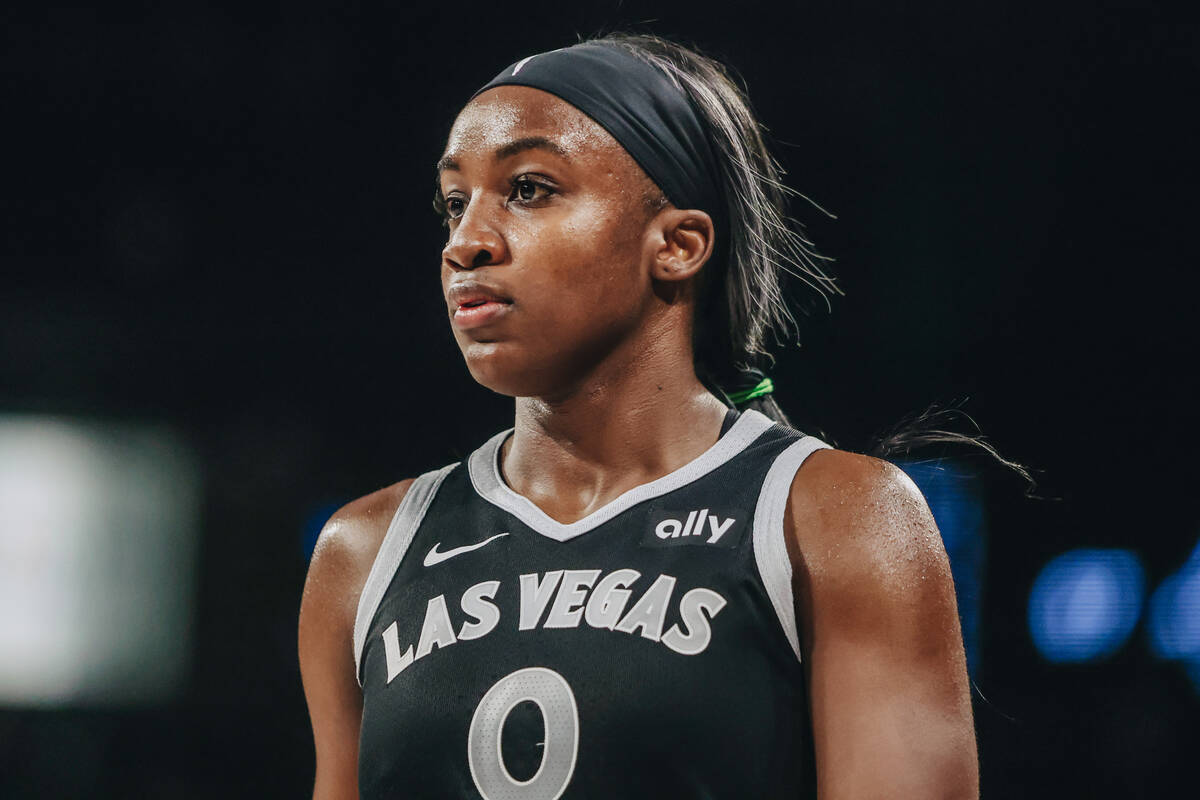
point(770, 547)
point(399, 536)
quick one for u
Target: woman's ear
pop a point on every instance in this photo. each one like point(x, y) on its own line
point(682, 243)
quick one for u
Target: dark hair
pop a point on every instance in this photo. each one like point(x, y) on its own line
point(741, 310)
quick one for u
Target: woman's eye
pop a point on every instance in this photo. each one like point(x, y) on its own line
point(527, 190)
point(455, 206)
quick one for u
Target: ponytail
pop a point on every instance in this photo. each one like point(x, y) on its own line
point(741, 311)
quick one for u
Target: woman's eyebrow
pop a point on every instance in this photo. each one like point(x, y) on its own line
point(449, 162)
point(529, 143)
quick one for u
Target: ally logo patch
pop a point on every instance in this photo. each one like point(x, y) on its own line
point(697, 526)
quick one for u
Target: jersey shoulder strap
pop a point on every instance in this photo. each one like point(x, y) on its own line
point(770, 545)
point(395, 544)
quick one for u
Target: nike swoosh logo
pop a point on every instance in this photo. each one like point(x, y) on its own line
point(434, 557)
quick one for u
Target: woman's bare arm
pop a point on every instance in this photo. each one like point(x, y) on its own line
point(341, 561)
point(880, 635)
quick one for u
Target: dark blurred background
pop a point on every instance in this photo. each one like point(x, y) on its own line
point(220, 319)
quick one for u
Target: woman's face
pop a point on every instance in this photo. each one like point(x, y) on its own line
point(545, 270)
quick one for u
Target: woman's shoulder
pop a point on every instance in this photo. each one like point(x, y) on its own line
point(345, 551)
point(359, 525)
point(341, 561)
point(856, 513)
point(834, 483)
point(867, 560)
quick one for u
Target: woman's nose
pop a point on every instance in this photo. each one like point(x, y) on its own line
point(474, 242)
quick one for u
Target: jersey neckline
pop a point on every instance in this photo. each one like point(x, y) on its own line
point(483, 466)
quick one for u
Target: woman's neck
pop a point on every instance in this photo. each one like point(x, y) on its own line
point(627, 423)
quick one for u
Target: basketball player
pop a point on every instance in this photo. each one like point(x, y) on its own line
point(639, 591)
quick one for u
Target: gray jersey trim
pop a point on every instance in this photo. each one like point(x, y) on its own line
point(770, 549)
point(484, 467)
point(391, 552)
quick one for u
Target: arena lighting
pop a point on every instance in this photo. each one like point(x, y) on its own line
point(97, 552)
point(1174, 616)
point(1085, 604)
point(954, 494)
point(1193, 669)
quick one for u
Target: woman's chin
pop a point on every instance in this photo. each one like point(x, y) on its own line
point(500, 367)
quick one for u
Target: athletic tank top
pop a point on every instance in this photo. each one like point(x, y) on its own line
point(648, 650)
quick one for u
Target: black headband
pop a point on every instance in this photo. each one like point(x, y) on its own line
point(641, 107)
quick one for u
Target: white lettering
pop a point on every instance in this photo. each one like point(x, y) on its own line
point(535, 595)
point(568, 597)
point(691, 610)
point(572, 594)
point(436, 630)
point(608, 600)
point(475, 602)
point(718, 530)
point(667, 529)
point(687, 526)
point(396, 663)
point(651, 610)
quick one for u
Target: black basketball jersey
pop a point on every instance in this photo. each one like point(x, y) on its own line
point(647, 650)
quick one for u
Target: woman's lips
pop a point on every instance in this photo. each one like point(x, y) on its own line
point(477, 314)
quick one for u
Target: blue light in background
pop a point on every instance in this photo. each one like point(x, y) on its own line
point(1085, 604)
point(313, 524)
point(953, 492)
point(1174, 616)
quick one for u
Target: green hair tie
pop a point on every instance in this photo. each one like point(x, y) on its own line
point(764, 387)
